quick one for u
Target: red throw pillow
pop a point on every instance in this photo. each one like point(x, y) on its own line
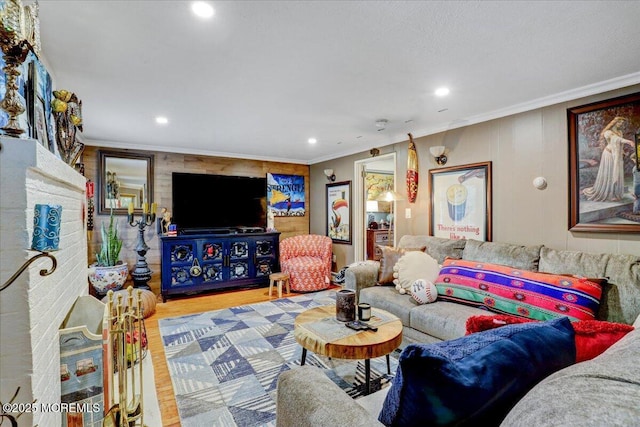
point(593, 337)
point(482, 323)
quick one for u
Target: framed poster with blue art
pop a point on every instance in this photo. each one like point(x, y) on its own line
point(285, 194)
point(42, 98)
point(35, 91)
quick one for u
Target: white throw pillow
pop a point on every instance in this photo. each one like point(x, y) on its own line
point(424, 291)
point(413, 266)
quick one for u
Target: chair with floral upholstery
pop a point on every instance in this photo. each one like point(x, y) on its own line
point(307, 260)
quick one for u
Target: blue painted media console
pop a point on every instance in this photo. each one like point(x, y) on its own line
point(204, 262)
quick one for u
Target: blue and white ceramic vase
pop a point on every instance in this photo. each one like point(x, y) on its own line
point(46, 227)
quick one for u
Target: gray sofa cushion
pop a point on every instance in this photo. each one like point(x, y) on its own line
point(306, 397)
point(604, 391)
point(623, 304)
point(387, 298)
point(517, 256)
point(361, 275)
point(573, 262)
point(620, 303)
point(442, 319)
point(437, 247)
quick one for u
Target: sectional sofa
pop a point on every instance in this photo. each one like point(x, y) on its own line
point(601, 391)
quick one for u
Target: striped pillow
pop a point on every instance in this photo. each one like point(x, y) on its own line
point(528, 294)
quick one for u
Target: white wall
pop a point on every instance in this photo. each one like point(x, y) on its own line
point(33, 307)
point(520, 147)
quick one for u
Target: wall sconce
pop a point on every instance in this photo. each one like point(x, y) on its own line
point(330, 176)
point(438, 153)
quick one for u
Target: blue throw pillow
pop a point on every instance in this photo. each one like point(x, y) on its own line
point(476, 379)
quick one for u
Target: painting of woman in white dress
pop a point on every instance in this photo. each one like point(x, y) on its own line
point(609, 185)
point(603, 175)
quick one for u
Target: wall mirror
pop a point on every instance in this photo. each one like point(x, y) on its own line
point(124, 179)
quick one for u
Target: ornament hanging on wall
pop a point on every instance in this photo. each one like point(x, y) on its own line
point(67, 110)
point(412, 171)
point(90, 209)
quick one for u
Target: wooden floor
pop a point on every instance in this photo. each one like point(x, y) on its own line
point(181, 307)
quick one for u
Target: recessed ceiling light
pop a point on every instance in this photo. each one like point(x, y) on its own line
point(442, 91)
point(202, 9)
point(161, 120)
point(312, 140)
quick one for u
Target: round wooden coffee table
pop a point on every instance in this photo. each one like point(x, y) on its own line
point(356, 345)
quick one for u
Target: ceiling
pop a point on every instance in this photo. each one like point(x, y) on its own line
point(260, 78)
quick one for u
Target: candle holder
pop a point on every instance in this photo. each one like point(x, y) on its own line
point(141, 273)
point(43, 272)
point(346, 305)
point(15, 49)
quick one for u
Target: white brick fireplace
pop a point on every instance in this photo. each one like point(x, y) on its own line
point(33, 307)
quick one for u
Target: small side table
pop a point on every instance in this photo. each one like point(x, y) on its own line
point(361, 345)
point(279, 278)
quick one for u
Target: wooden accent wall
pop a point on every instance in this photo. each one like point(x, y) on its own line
point(164, 165)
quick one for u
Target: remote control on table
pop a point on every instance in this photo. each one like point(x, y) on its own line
point(358, 326)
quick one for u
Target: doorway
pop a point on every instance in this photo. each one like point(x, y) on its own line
point(373, 176)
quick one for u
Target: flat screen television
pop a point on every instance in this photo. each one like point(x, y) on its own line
point(204, 202)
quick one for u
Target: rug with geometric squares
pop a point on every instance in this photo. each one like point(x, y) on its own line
point(224, 364)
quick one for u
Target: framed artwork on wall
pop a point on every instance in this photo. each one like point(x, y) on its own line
point(377, 183)
point(40, 123)
point(338, 211)
point(285, 194)
point(604, 181)
point(460, 205)
point(41, 93)
point(32, 83)
point(636, 177)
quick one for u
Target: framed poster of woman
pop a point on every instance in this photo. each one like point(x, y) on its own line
point(603, 166)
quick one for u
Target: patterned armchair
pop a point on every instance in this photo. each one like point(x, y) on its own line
point(307, 260)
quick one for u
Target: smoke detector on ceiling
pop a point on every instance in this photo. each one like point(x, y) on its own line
point(381, 124)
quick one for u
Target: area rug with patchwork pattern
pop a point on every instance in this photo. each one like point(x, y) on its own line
point(224, 364)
